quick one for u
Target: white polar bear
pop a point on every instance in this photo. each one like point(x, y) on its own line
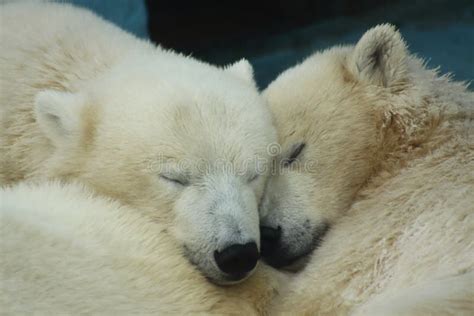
point(174, 138)
point(66, 250)
point(382, 149)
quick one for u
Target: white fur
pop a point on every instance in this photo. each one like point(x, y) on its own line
point(66, 250)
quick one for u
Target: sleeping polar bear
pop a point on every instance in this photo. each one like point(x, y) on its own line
point(382, 150)
point(174, 138)
point(67, 251)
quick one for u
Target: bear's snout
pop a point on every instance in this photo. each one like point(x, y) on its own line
point(269, 239)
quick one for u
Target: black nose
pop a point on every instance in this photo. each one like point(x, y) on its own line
point(237, 259)
point(270, 239)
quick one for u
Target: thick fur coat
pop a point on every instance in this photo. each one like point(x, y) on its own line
point(66, 250)
point(392, 151)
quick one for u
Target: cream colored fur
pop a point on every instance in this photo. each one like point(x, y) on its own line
point(392, 146)
point(66, 250)
point(172, 137)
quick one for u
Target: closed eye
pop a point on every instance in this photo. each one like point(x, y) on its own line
point(253, 178)
point(294, 154)
point(182, 182)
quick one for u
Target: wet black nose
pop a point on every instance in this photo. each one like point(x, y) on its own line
point(237, 259)
point(270, 239)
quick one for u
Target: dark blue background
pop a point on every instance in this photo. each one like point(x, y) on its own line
point(440, 31)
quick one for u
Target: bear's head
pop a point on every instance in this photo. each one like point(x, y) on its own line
point(337, 114)
point(180, 141)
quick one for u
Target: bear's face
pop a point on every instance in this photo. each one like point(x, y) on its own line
point(329, 113)
point(185, 152)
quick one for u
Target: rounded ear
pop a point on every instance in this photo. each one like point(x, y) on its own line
point(58, 114)
point(242, 69)
point(380, 57)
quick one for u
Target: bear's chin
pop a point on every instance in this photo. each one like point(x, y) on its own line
point(293, 264)
point(280, 256)
point(226, 280)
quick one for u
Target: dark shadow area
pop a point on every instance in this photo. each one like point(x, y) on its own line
point(275, 35)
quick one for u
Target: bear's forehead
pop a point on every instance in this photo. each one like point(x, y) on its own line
point(206, 97)
point(316, 98)
point(318, 77)
point(186, 130)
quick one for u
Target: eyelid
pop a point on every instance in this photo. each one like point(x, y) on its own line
point(175, 179)
point(253, 178)
point(294, 154)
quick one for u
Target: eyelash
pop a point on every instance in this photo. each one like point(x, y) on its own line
point(253, 178)
point(296, 152)
point(177, 181)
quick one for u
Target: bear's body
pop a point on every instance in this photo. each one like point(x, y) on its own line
point(81, 100)
point(392, 151)
point(67, 251)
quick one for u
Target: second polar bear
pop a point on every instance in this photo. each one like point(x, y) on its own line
point(382, 150)
point(174, 138)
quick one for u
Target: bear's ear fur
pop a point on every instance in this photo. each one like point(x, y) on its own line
point(380, 57)
point(58, 114)
point(242, 69)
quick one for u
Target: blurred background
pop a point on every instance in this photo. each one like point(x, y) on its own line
point(274, 35)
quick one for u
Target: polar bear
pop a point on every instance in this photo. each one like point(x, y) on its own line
point(174, 138)
point(380, 149)
point(66, 250)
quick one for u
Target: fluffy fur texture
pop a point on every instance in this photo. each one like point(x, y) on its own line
point(67, 251)
point(391, 147)
point(172, 137)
